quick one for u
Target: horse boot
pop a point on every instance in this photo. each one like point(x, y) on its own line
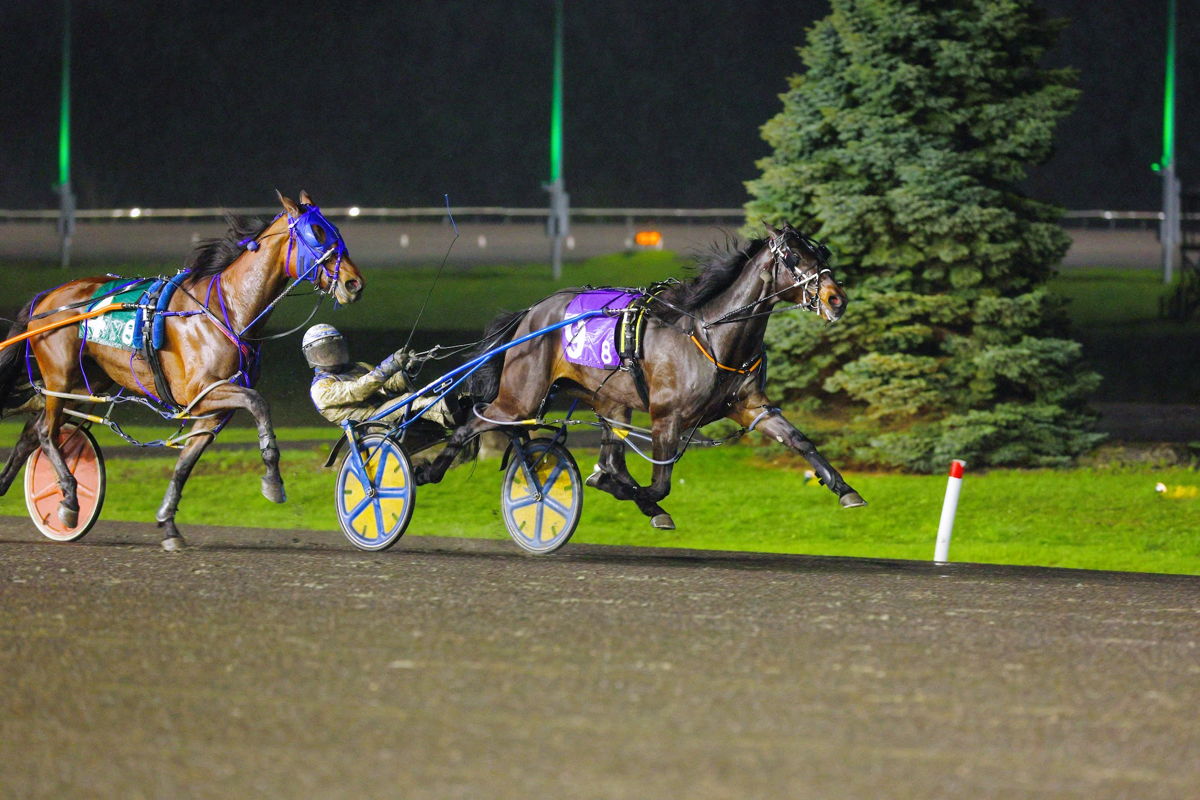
point(852, 499)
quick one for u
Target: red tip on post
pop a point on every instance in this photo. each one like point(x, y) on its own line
point(956, 468)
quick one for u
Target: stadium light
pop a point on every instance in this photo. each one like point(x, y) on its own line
point(1171, 233)
point(558, 222)
point(66, 214)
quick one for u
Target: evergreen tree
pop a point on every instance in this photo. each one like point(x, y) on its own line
point(902, 145)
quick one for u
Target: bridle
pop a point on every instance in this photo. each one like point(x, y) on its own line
point(783, 256)
point(311, 256)
point(786, 257)
point(311, 260)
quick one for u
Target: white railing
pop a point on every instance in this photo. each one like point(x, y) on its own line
point(1086, 217)
point(377, 213)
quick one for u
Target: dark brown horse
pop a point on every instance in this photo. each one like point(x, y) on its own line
point(207, 355)
point(703, 361)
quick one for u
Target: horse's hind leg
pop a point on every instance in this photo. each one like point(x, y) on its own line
point(25, 445)
point(612, 474)
point(203, 433)
point(68, 509)
point(228, 396)
point(498, 414)
point(666, 440)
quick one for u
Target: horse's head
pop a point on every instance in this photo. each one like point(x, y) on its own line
point(801, 273)
point(317, 252)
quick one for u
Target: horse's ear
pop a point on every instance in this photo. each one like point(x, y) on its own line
point(305, 200)
point(288, 206)
point(771, 229)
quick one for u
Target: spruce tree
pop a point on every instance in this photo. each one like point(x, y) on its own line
point(902, 144)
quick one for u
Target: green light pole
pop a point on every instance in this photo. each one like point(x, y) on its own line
point(66, 216)
point(559, 221)
point(1171, 233)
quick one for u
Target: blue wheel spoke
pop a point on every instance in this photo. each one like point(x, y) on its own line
point(383, 458)
point(554, 473)
point(378, 518)
point(358, 509)
point(557, 506)
point(393, 493)
point(522, 503)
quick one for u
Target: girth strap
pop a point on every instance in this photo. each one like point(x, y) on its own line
point(629, 338)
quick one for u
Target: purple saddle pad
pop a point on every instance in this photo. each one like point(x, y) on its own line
point(592, 342)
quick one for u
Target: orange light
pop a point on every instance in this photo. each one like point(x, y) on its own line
point(648, 238)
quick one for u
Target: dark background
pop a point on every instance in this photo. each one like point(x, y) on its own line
point(208, 103)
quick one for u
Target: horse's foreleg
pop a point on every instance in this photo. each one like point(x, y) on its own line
point(227, 396)
point(68, 508)
point(777, 427)
point(25, 445)
point(203, 433)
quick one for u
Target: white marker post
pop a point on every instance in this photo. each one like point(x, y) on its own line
point(941, 553)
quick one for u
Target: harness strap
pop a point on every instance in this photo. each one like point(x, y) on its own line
point(739, 370)
point(96, 312)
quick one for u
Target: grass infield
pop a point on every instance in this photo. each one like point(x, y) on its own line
point(730, 499)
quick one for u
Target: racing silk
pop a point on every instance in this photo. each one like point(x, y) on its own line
point(356, 393)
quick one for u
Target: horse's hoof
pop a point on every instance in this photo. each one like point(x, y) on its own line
point(273, 490)
point(663, 521)
point(69, 517)
point(852, 500)
point(173, 544)
point(594, 479)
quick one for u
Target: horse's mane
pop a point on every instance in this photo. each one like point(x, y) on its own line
point(713, 273)
point(212, 256)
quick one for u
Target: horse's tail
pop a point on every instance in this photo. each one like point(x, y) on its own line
point(10, 357)
point(484, 383)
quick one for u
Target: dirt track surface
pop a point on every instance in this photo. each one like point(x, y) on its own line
point(286, 664)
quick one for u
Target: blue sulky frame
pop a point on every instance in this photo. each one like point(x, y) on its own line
point(380, 479)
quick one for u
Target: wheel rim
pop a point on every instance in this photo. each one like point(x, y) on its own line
point(375, 500)
point(42, 495)
point(541, 515)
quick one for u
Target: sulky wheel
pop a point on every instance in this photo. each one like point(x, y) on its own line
point(375, 492)
point(542, 498)
point(42, 495)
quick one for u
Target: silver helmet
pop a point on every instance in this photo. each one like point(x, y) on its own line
point(323, 346)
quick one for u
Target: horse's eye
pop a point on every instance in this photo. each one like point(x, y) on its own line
point(319, 234)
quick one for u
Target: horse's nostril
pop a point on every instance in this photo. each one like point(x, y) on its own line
point(353, 285)
point(835, 301)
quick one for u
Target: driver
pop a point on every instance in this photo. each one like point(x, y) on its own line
point(343, 389)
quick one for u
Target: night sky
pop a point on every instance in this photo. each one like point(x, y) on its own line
point(211, 103)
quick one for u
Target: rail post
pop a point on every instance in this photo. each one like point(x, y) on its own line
point(941, 551)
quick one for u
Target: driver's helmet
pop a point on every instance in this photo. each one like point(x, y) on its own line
point(324, 347)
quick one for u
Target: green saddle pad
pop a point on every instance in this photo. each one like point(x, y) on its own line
point(116, 328)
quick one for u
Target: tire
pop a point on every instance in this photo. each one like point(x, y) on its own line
point(375, 493)
point(542, 520)
point(42, 495)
